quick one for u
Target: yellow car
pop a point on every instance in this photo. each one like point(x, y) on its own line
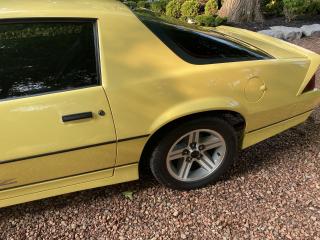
point(90, 91)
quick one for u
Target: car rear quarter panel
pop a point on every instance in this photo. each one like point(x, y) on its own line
point(149, 86)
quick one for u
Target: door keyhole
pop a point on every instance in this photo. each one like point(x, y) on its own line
point(102, 113)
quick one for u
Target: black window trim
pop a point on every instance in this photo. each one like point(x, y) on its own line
point(94, 22)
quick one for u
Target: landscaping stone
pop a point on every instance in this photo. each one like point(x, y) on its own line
point(289, 33)
point(293, 33)
point(311, 30)
point(273, 33)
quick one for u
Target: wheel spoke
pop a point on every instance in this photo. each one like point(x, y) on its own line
point(194, 137)
point(173, 155)
point(212, 142)
point(185, 169)
point(206, 162)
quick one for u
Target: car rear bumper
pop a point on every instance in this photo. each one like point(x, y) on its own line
point(259, 135)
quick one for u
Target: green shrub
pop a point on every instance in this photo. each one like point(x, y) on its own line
point(294, 8)
point(211, 7)
point(272, 7)
point(220, 20)
point(313, 7)
point(202, 2)
point(173, 8)
point(209, 21)
point(205, 20)
point(142, 4)
point(131, 4)
point(159, 6)
point(190, 9)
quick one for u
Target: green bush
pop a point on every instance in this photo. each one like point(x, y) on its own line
point(190, 9)
point(272, 7)
point(131, 4)
point(205, 20)
point(209, 21)
point(297, 8)
point(294, 8)
point(313, 7)
point(202, 2)
point(211, 7)
point(173, 8)
point(159, 6)
point(220, 20)
point(142, 4)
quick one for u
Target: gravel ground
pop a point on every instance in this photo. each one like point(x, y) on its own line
point(273, 192)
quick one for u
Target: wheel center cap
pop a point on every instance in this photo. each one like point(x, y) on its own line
point(195, 154)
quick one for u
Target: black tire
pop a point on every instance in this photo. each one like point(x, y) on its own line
point(158, 159)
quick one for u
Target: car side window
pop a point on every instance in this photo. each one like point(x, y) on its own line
point(196, 47)
point(44, 57)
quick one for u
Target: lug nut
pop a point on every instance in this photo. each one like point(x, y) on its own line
point(201, 147)
point(193, 145)
point(185, 152)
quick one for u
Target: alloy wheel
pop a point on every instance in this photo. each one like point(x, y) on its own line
point(196, 155)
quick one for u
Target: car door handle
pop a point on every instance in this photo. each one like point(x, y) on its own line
point(77, 116)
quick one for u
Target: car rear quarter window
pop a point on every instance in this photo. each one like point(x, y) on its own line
point(45, 56)
point(199, 47)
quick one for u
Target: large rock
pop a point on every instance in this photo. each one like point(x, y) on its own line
point(273, 33)
point(311, 30)
point(289, 33)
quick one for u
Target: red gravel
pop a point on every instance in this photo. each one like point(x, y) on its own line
point(273, 192)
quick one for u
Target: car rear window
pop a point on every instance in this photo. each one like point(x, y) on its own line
point(198, 47)
point(45, 56)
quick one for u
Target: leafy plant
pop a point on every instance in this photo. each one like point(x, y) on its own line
point(220, 20)
point(294, 8)
point(272, 7)
point(131, 4)
point(313, 7)
point(128, 194)
point(205, 20)
point(190, 9)
point(209, 21)
point(173, 8)
point(159, 6)
point(211, 7)
point(142, 4)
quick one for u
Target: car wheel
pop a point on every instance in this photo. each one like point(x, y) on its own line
point(194, 154)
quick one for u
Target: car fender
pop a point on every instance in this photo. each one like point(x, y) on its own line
point(197, 106)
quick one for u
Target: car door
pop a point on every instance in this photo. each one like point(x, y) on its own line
point(55, 118)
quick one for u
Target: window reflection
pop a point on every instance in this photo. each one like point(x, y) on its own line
point(200, 48)
point(45, 57)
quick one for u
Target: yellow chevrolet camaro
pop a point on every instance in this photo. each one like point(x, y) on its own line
point(90, 91)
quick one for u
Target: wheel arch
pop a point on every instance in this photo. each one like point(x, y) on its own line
point(235, 119)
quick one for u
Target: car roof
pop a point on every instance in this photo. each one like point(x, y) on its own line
point(58, 8)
